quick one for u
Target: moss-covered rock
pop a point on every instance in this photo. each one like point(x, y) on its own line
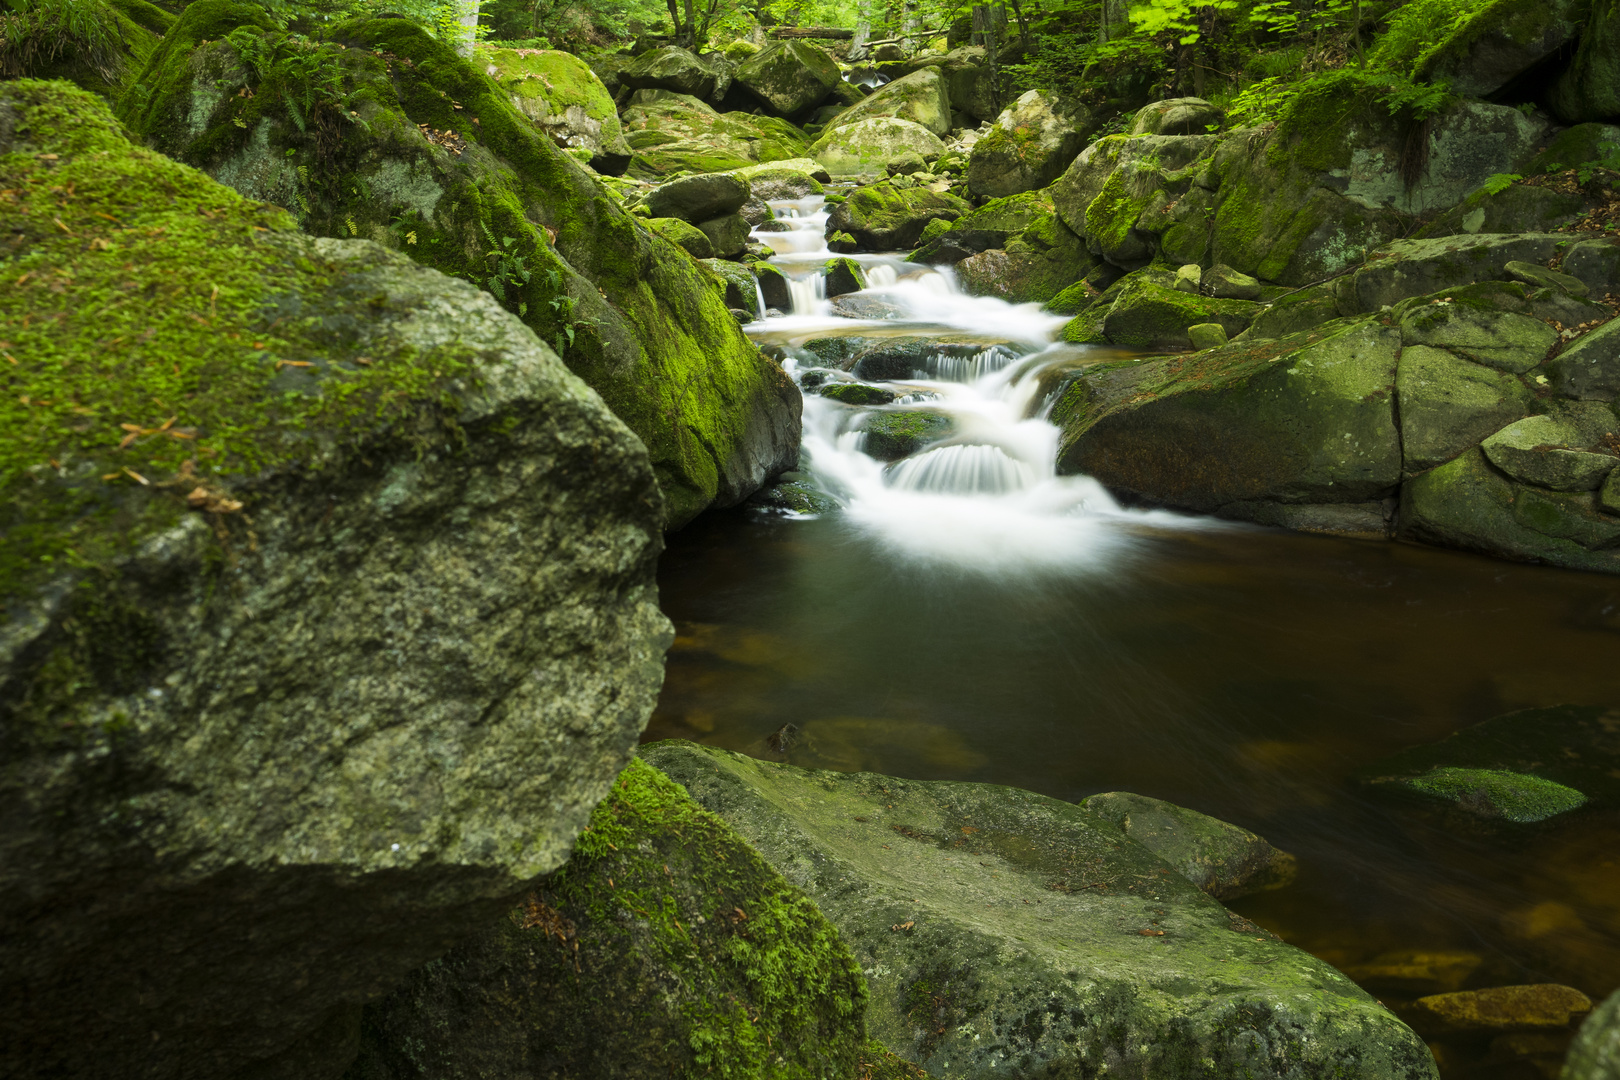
point(1177, 116)
point(270, 656)
point(728, 234)
point(1503, 340)
point(672, 132)
point(1515, 209)
point(664, 947)
point(890, 436)
point(1309, 419)
point(1148, 315)
point(790, 77)
point(1589, 88)
point(1029, 146)
point(856, 393)
point(684, 235)
point(98, 45)
point(561, 94)
point(865, 147)
point(1590, 368)
point(742, 287)
point(1595, 1053)
point(882, 217)
point(796, 493)
point(920, 98)
point(843, 276)
point(698, 198)
point(994, 926)
point(970, 81)
point(1548, 451)
point(679, 71)
point(1497, 42)
point(1448, 404)
point(1220, 858)
point(988, 226)
point(1125, 195)
point(1597, 264)
point(1408, 268)
point(1495, 793)
point(492, 200)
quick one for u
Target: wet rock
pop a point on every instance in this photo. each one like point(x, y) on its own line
point(843, 276)
point(727, 234)
point(1177, 116)
point(1309, 419)
point(1417, 971)
point(1595, 1053)
point(773, 285)
point(920, 98)
point(1223, 860)
point(864, 147)
point(1537, 451)
point(797, 493)
point(760, 217)
point(739, 285)
point(1029, 146)
point(693, 240)
point(561, 94)
point(1501, 1008)
point(769, 183)
point(897, 358)
point(891, 436)
point(698, 198)
point(1597, 264)
point(842, 243)
point(789, 76)
point(866, 306)
point(1503, 340)
point(677, 70)
point(300, 716)
point(1448, 404)
point(972, 908)
point(1225, 283)
point(882, 217)
point(729, 964)
point(1589, 369)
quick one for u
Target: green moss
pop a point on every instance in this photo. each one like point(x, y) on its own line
point(1496, 793)
point(1072, 300)
point(1111, 215)
point(557, 78)
point(150, 318)
point(95, 44)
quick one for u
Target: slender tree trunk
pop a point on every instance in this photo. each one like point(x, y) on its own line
point(469, 28)
point(863, 32)
point(909, 28)
point(688, 35)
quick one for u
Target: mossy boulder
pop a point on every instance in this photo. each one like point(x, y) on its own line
point(1595, 1053)
point(1494, 793)
point(1515, 209)
point(790, 77)
point(98, 45)
point(679, 71)
point(970, 81)
point(1177, 116)
point(1127, 196)
point(494, 201)
point(1220, 858)
point(1030, 145)
point(795, 493)
point(1589, 88)
point(1149, 315)
point(1308, 419)
point(672, 132)
point(882, 217)
point(698, 198)
point(728, 234)
point(742, 287)
point(856, 393)
point(1034, 266)
point(1448, 404)
point(561, 94)
point(1597, 264)
point(920, 98)
point(843, 276)
point(1498, 42)
point(1548, 451)
point(995, 925)
point(1504, 340)
point(1590, 367)
point(1407, 268)
point(271, 658)
point(865, 147)
point(664, 947)
point(683, 234)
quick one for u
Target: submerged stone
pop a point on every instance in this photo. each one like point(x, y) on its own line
point(1417, 971)
point(1536, 1007)
point(995, 925)
point(1494, 793)
point(890, 436)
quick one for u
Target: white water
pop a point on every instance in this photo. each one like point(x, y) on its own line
point(988, 497)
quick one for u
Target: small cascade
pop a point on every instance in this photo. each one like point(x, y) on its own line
point(963, 470)
point(964, 369)
point(808, 293)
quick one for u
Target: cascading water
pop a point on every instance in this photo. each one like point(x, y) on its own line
point(985, 493)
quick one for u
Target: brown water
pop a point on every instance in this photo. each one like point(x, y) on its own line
point(1246, 673)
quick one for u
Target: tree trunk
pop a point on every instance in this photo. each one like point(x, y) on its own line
point(863, 32)
point(469, 28)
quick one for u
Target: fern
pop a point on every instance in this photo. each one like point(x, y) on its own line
point(1499, 183)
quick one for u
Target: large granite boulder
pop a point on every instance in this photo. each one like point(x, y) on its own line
point(643, 325)
point(1030, 145)
point(882, 217)
point(1177, 116)
point(563, 96)
point(790, 77)
point(970, 81)
point(1589, 88)
point(1498, 42)
point(865, 147)
point(1006, 933)
point(664, 947)
point(329, 614)
point(1220, 858)
point(672, 132)
point(921, 98)
point(1134, 197)
point(679, 71)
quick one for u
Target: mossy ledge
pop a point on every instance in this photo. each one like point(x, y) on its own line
point(665, 947)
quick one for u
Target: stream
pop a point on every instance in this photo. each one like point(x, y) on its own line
point(970, 615)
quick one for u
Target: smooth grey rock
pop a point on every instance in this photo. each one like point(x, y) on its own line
point(1589, 368)
point(1537, 450)
point(1005, 933)
point(1225, 283)
point(1177, 116)
point(698, 198)
point(1448, 404)
point(1502, 340)
point(1597, 264)
point(789, 76)
point(727, 234)
point(1220, 858)
point(1541, 277)
point(1029, 146)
